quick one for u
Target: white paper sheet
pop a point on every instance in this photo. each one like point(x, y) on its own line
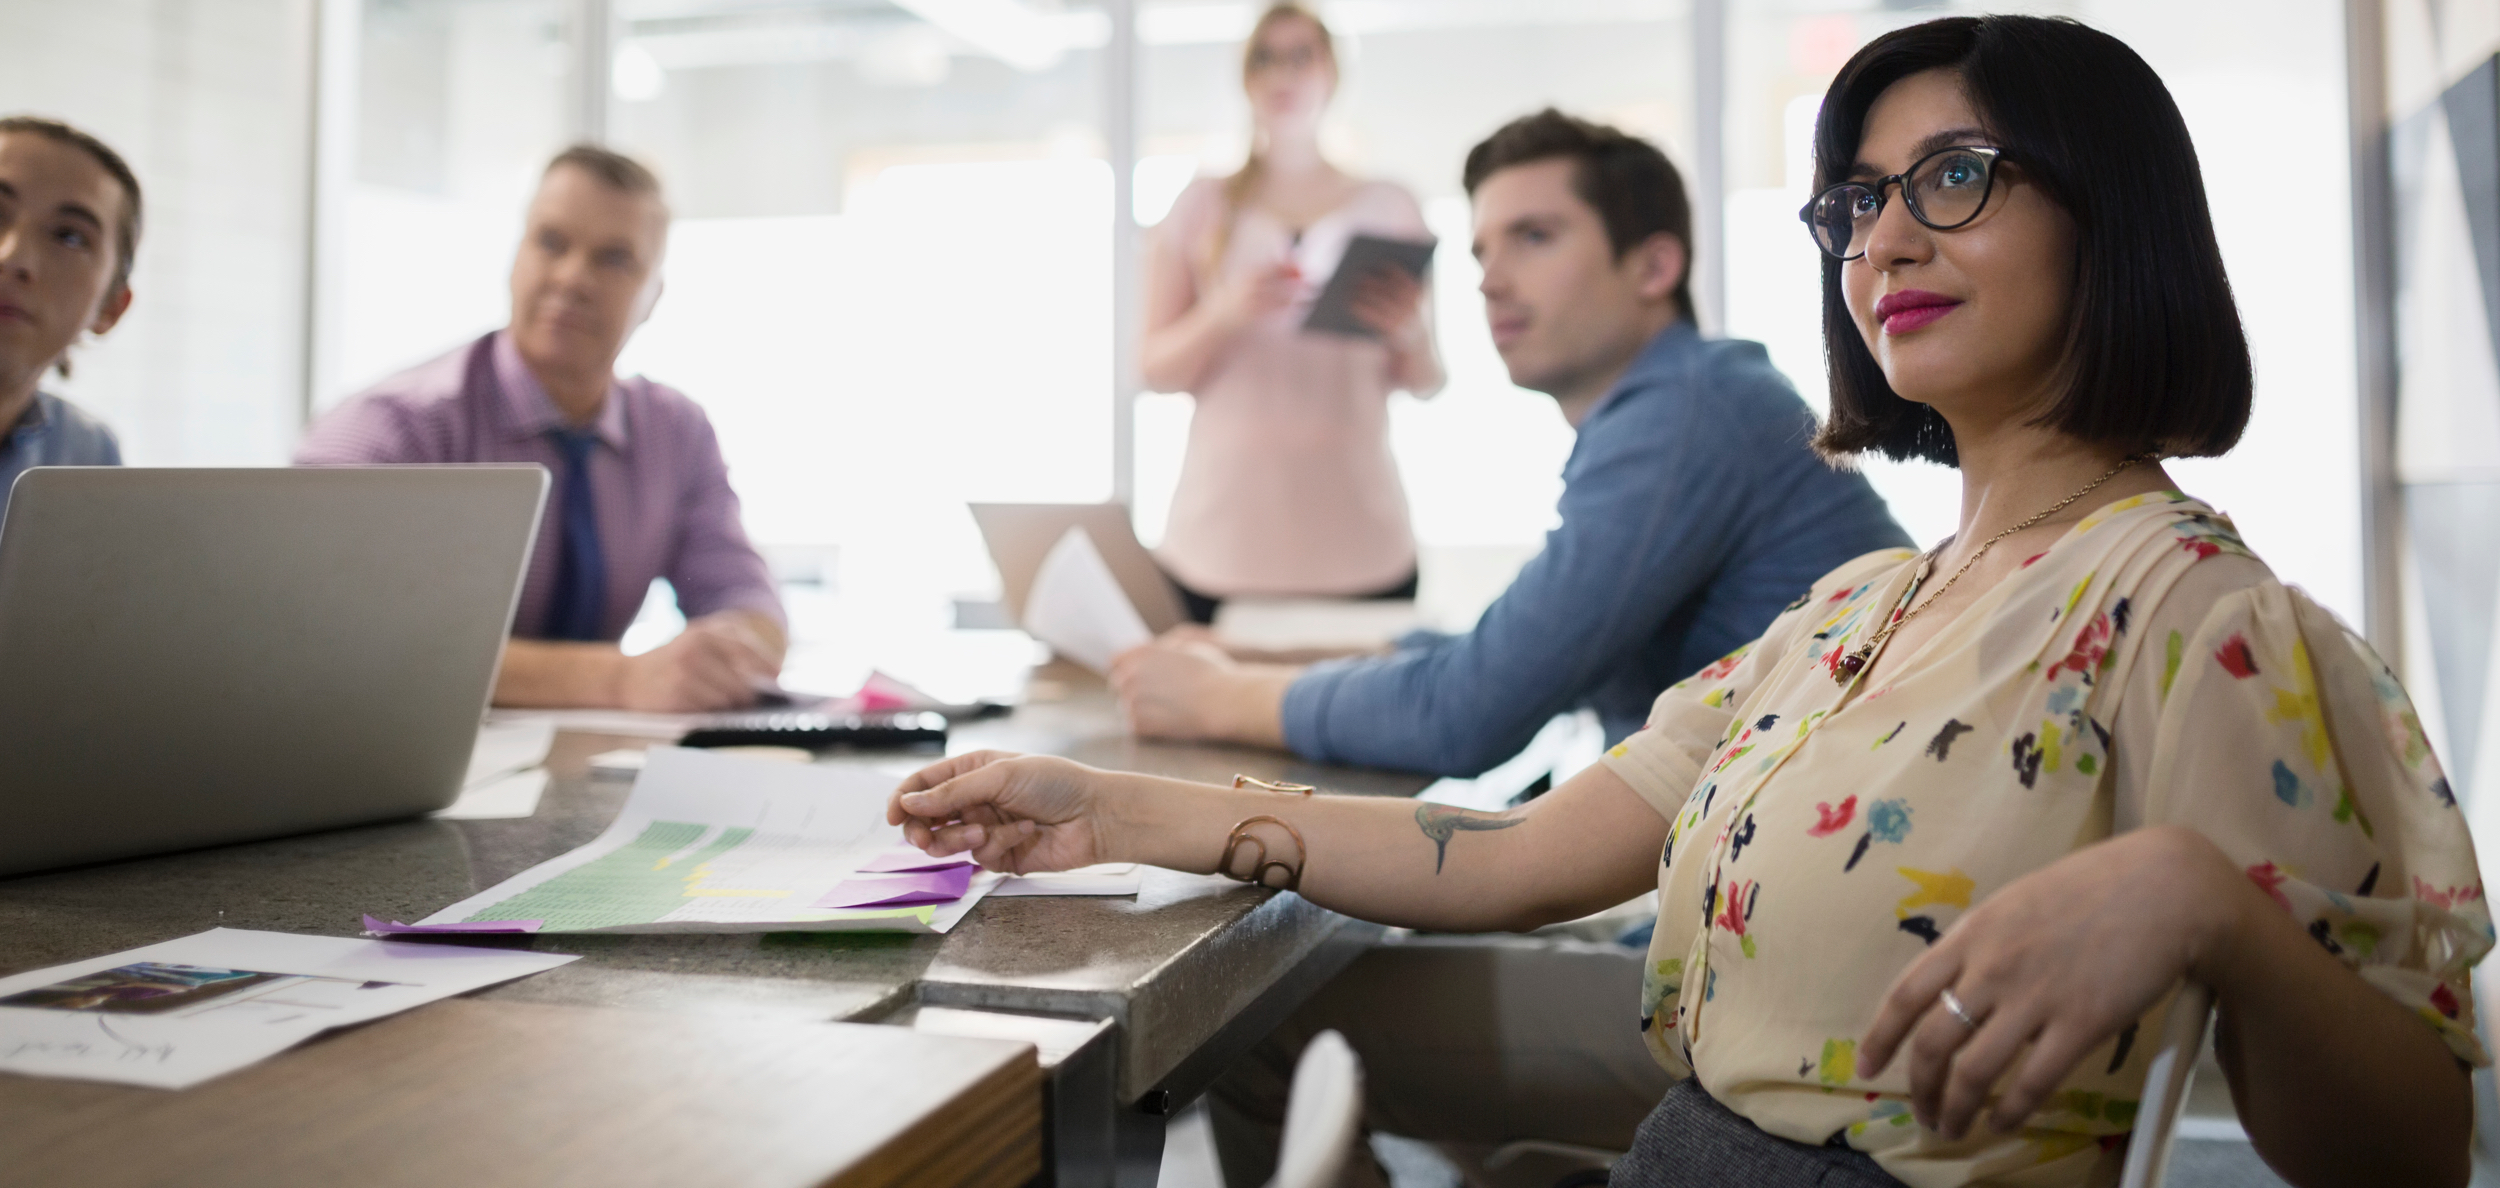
point(627, 723)
point(721, 843)
point(174, 1014)
point(1291, 624)
point(1077, 607)
point(1109, 878)
point(619, 764)
point(504, 798)
point(506, 747)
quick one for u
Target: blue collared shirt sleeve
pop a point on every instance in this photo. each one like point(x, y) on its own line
point(1652, 504)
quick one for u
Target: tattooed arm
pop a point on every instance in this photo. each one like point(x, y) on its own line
point(1583, 847)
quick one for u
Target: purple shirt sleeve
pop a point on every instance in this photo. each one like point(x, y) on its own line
point(716, 568)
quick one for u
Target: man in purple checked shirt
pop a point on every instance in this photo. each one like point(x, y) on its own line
point(640, 491)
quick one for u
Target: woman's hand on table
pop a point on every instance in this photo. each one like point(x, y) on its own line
point(1019, 813)
point(2051, 966)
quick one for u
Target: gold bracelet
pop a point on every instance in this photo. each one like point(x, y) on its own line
point(1260, 864)
point(1243, 781)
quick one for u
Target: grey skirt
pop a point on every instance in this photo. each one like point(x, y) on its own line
point(1691, 1141)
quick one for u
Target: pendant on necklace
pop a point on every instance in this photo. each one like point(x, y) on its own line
point(1850, 666)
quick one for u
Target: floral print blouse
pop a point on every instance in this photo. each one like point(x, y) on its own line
point(2145, 669)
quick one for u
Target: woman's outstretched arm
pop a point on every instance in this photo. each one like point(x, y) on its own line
point(1586, 846)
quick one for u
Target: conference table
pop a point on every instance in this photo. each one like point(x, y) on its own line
point(1104, 1014)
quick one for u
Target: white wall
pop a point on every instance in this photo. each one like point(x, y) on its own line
point(205, 98)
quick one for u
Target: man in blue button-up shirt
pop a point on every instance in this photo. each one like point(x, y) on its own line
point(1692, 509)
point(69, 228)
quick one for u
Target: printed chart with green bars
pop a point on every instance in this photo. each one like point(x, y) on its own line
point(638, 883)
point(718, 843)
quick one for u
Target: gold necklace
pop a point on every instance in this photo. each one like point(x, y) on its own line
point(1855, 662)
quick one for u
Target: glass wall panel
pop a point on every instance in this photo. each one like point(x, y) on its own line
point(2261, 83)
point(2444, 84)
point(206, 102)
point(458, 105)
point(889, 281)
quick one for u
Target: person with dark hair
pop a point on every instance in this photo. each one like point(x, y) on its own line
point(1934, 852)
point(1287, 487)
point(640, 490)
point(69, 233)
point(1692, 508)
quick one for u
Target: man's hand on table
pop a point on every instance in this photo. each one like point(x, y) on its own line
point(720, 661)
point(1184, 686)
point(1295, 657)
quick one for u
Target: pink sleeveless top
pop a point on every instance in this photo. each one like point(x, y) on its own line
point(1288, 487)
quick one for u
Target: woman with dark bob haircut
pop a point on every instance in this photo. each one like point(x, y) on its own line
point(1935, 852)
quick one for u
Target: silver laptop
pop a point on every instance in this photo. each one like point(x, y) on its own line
point(193, 657)
point(1020, 535)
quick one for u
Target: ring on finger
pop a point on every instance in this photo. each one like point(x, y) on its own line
point(1952, 1004)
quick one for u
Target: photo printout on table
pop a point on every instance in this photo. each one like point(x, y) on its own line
point(175, 1014)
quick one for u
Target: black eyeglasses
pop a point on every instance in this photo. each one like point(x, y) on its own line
point(1945, 189)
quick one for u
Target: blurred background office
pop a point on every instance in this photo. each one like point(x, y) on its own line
point(906, 271)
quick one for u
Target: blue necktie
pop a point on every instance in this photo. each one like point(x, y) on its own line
point(581, 596)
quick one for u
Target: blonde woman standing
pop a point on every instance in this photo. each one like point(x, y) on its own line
point(1288, 487)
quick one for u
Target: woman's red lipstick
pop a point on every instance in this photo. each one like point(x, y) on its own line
point(1911, 309)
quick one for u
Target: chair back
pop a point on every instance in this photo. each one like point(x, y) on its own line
point(1324, 1118)
point(2166, 1087)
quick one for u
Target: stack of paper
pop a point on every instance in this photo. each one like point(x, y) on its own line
point(1314, 624)
point(174, 1014)
point(624, 723)
point(1107, 878)
point(1078, 608)
point(506, 772)
point(721, 843)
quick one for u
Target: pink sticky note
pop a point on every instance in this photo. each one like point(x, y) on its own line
point(899, 861)
point(883, 692)
point(901, 890)
point(880, 701)
point(375, 927)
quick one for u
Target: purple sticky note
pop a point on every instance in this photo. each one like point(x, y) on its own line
point(375, 927)
point(901, 890)
point(900, 861)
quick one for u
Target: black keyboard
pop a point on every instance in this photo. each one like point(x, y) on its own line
point(817, 732)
